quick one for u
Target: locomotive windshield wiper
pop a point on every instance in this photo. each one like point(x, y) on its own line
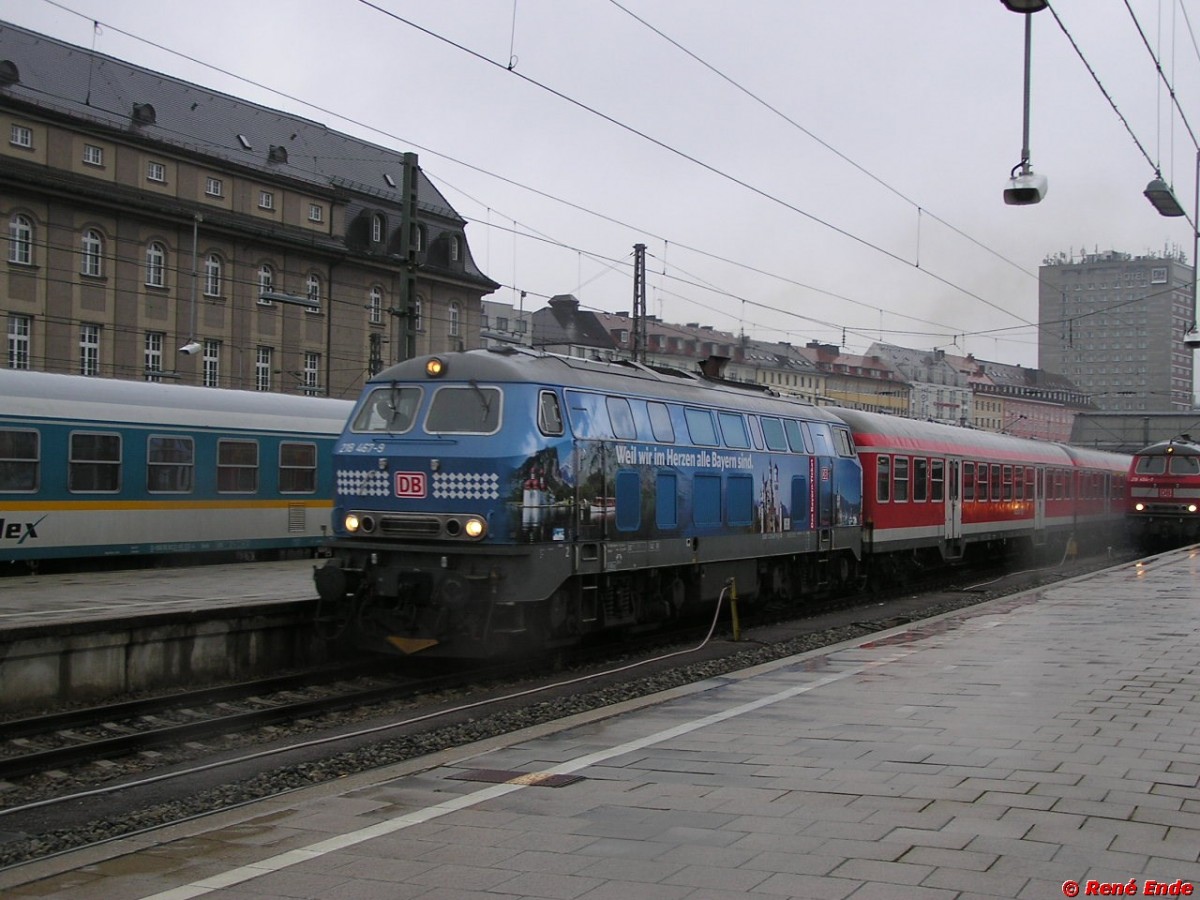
point(487, 404)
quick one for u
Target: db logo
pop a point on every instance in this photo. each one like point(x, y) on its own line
point(410, 484)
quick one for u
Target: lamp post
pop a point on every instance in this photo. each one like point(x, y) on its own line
point(192, 345)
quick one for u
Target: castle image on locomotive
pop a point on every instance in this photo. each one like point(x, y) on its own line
point(494, 501)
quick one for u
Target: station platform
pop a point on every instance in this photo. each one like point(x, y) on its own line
point(1039, 746)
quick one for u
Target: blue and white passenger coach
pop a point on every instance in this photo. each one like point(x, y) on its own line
point(493, 500)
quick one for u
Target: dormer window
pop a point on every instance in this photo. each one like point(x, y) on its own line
point(454, 248)
point(376, 228)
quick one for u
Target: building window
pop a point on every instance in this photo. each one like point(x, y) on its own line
point(262, 369)
point(266, 282)
point(453, 248)
point(20, 240)
point(316, 212)
point(418, 322)
point(21, 136)
point(312, 287)
point(154, 355)
point(375, 305)
point(266, 200)
point(212, 275)
point(453, 320)
point(93, 254)
point(19, 328)
point(312, 374)
point(502, 323)
point(418, 238)
point(376, 228)
point(156, 171)
point(89, 350)
point(93, 155)
point(213, 187)
point(212, 363)
point(156, 264)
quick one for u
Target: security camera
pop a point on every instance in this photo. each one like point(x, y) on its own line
point(1025, 189)
point(190, 348)
point(1191, 339)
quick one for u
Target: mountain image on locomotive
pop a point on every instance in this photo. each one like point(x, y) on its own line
point(495, 501)
point(1163, 507)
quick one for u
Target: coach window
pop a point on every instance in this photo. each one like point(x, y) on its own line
point(883, 478)
point(391, 409)
point(900, 480)
point(464, 410)
point(1008, 483)
point(549, 414)
point(937, 480)
point(733, 430)
point(620, 416)
point(701, 428)
point(660, 422)
point(920, 480)
point(772, 430)
point(995, 475)
point(19, 460)
point(297, 468)
point(95, 462)
point(170, 464)
point(968, 481)
point(237, 466)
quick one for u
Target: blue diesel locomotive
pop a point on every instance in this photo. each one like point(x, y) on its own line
point(94, 467)
point(492, 501)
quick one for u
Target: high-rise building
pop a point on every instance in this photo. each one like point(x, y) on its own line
point(1113, 323)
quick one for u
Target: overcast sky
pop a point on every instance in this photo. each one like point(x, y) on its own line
point(798, 169)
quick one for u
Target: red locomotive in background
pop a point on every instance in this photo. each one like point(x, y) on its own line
point(1163, 505)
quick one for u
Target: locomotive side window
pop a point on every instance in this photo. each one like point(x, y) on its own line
point(629, 500)
point(549, 414)
point(883, 478)
point(19, 460)
point(900, 479)
point(237, 466)
point(822, 438)
point(391, 409)
point(845, 443)
point(620, 416)
point(701, 428)
point(660, 422)
point(755, 432)
point(170, 464)
point(920, 480)
point(1185, 465)
point(95, 462)
point(796, 437)
point(706, 500)
point(733, 430)
point(464, 410)
point(589, 418)
point(937, 480)
point(968, 481)
point(1151, 465)
point(297, 468)
point(772, 430)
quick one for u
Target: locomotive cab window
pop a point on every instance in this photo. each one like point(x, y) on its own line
point(733, 430)
point(19, 458)
point(389, 409)
point(660, 422)
point(170, 464)
point(1151, 465)
point(772, 430)
point(1185, 465)
point(843, 442)
point(464, 410)
point(95, 463)
point(549, 414)
point(822, 439)
point(297, 468)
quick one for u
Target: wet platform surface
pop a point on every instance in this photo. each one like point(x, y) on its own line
point(38, 600)
point(1013, 750)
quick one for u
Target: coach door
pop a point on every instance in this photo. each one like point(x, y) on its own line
point(953, 499)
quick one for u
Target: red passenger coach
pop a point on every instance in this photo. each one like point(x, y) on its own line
point(935, 492)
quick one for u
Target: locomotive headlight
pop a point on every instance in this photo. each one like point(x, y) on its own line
point(351, 522)
point(1191, 507)
point(1139, 507)
point(474, 528)
point(434, 367)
